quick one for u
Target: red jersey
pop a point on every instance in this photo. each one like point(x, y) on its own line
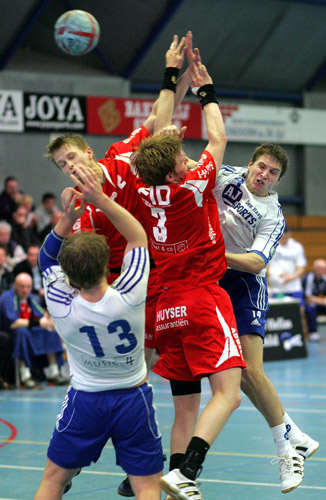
point(119, 186)
point(185, 236)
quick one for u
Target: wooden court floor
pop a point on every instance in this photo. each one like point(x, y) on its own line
point(238, 465)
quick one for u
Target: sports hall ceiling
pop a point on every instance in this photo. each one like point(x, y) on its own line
point(271, 49)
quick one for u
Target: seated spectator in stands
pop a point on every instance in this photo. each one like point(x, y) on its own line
point(314, 288)
point(285, 272)
point(9, 198)
point(6, 276)
point(44, 211)
point(15, 252)
point(27, 201)
point(31, 329)
point(24, 236)
point(31, 267)
point(54, 219)
point(5, 360)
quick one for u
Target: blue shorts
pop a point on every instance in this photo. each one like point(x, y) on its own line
point(249, 297)
point(88, 419)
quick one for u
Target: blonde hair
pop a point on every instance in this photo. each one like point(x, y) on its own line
point(156, 157)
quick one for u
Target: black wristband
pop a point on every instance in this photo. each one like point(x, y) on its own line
point(206, 94)
point(170, 78)
point(33, 322)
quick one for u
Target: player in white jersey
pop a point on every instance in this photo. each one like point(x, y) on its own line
point(103, 329)
point(252, 224)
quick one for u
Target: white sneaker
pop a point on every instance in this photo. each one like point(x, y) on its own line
point(291, 471)
point(314, 337)
point(306, 447)
point(179, 486)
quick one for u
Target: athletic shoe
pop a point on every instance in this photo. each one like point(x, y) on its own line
point(29, 383)
point(314, 337)
point(58, 380)
point(306, 447)
point(69, 485)
point(179, 486)
point(125, 489)
point(291, 471)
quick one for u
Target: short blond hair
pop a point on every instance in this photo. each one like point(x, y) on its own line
point(156, 157)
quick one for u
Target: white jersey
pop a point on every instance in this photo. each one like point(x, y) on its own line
point(249, 223)
point(105, 339)
point(286, 260)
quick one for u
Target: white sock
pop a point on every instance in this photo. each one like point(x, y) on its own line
point(281, 439)
point(53, 370)
point(25, 373)
point(295, 434)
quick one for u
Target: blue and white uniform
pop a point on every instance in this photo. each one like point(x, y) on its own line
point(249, 223)
point(105, 349)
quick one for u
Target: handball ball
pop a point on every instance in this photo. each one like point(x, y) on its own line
point(76, 32)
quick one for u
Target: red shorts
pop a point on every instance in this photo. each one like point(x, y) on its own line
point(153, 292)
point(196, 333)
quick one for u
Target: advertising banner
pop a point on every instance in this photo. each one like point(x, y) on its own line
point(284, 337)
point(64, 113)
point(116, 116)
point(11, 111)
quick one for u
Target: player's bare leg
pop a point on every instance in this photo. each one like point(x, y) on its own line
point(53, 482)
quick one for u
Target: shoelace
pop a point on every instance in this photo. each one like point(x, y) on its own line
point(286, 464)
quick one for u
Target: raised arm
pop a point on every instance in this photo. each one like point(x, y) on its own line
point(124, 222)
point(202, 84)
point(174, 59)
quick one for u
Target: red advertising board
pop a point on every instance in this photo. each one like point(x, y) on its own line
point(117, 116)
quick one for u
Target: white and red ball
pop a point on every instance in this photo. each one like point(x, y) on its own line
point(76, 32)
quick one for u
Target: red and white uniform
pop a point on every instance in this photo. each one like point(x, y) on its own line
point(119, 186)
point(196, 332)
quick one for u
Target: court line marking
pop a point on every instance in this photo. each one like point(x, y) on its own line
point(170, 405)
point(167, 450)
point(99, 473)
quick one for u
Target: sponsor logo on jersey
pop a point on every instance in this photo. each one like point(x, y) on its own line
point(231, 195)
point(171, 313)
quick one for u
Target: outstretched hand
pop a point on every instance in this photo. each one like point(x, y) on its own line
point(71, 207)
point(87, 181)
point(199, 75)
point(193, 55)
point(174, 57)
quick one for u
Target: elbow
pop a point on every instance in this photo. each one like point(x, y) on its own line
point(223, 139)
point(256, 267)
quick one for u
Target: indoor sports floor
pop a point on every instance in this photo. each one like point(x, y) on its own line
point(237, 467)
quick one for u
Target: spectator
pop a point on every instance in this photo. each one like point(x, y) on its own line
point(27, 201)
point(24, 236)
point(31, 330)
point(285, 272)
point(30, 266)
point(6, 276)
point(9, 198)
point(15, 252)
point(5, 360)
point(314, 288)
point(44, 211)
point(47, 229)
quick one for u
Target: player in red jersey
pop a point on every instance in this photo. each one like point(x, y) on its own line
point(196, 331)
